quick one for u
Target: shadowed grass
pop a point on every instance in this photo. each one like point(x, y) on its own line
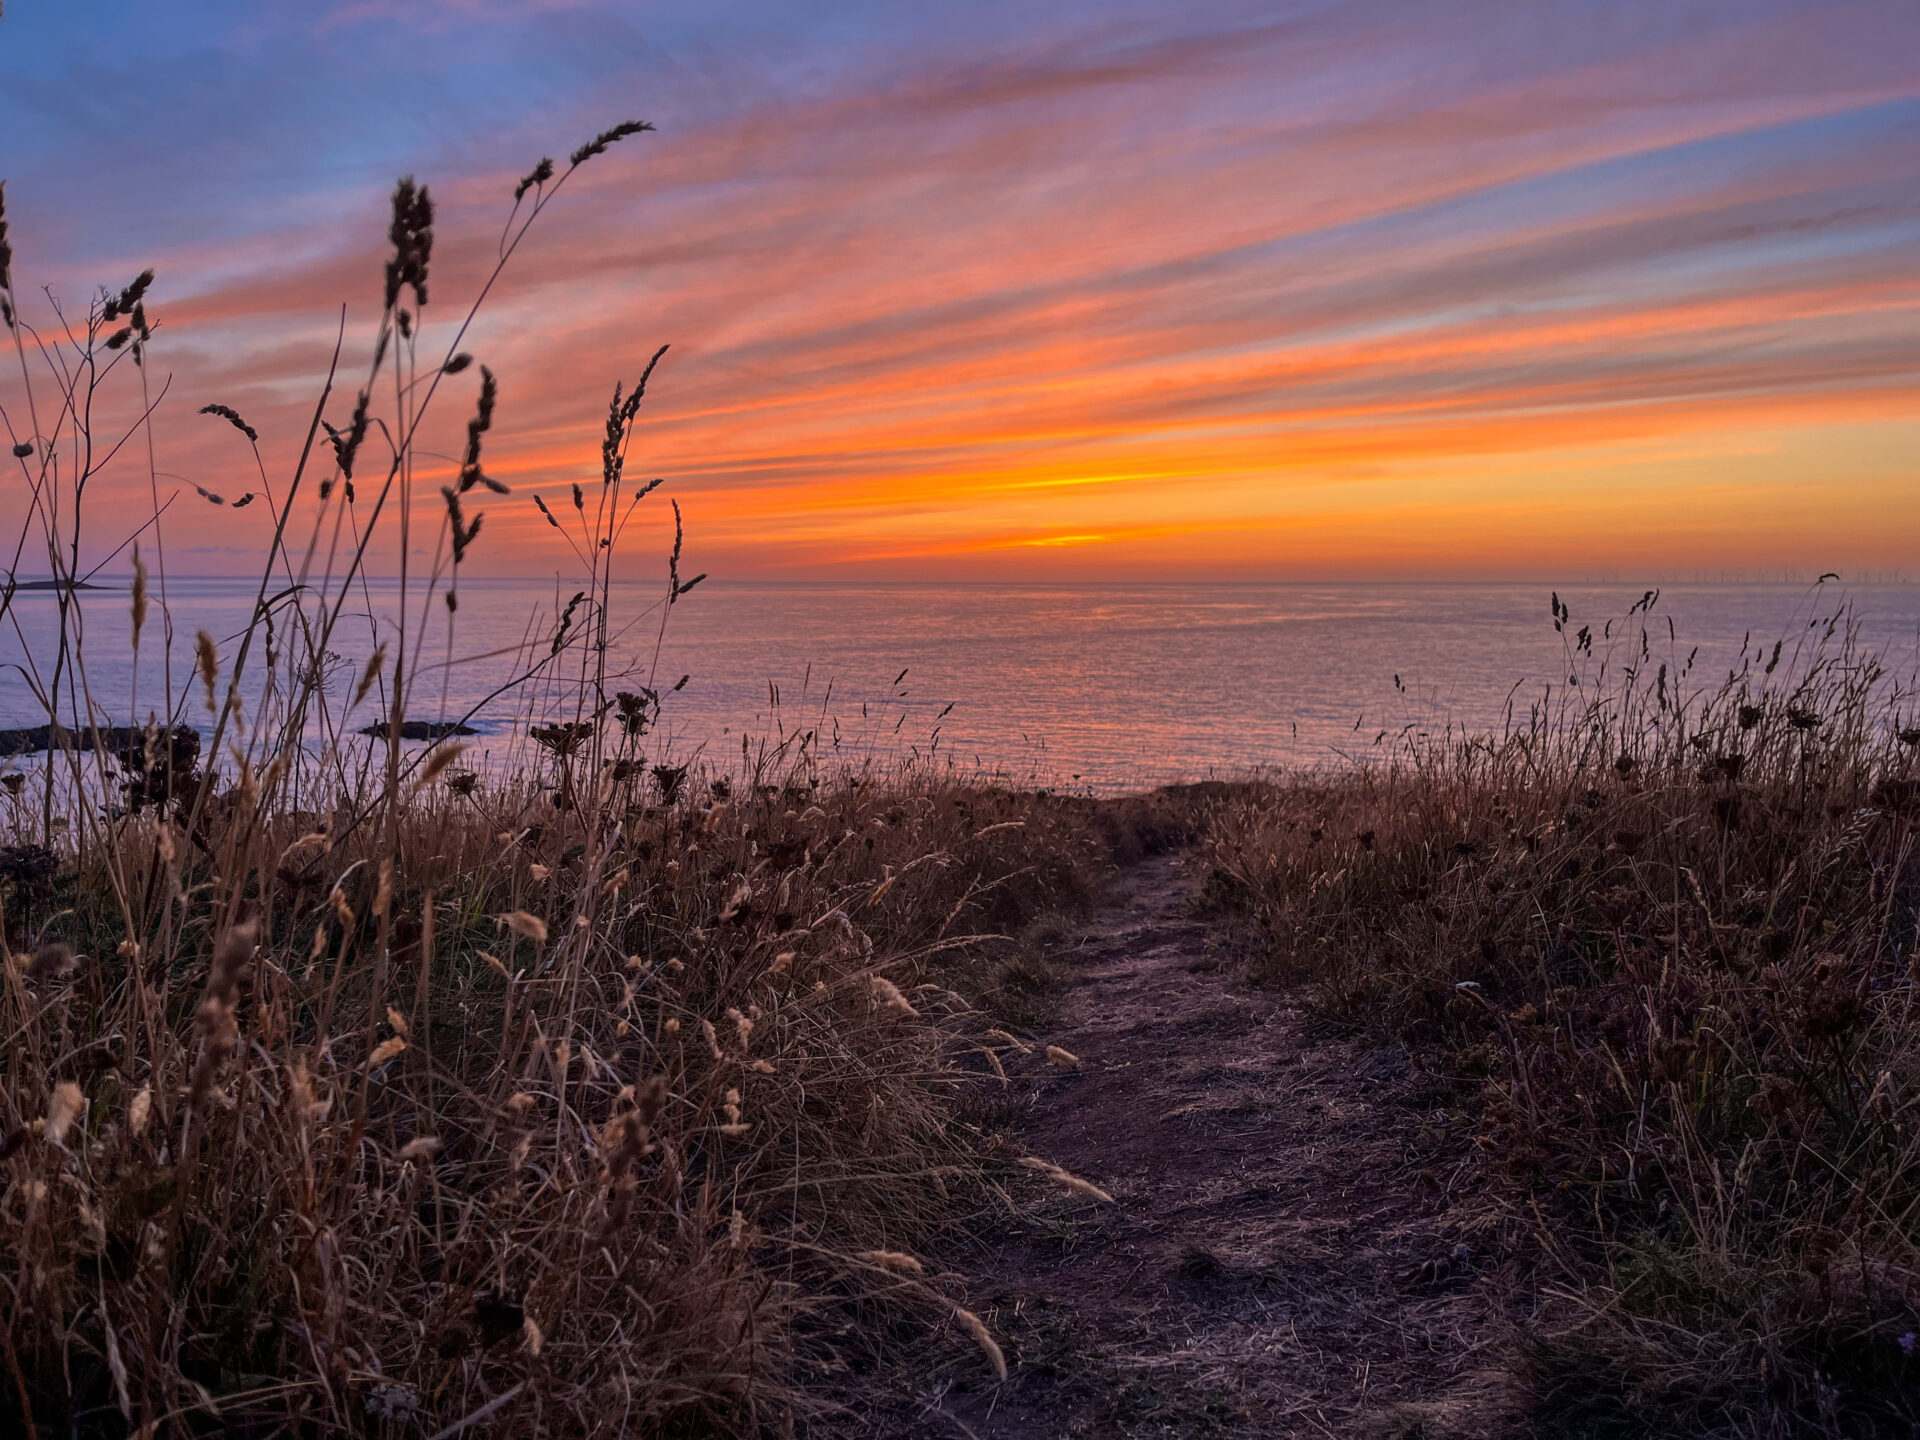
point(1664, 944)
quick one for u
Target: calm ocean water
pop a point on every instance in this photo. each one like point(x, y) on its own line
point(1108, 687)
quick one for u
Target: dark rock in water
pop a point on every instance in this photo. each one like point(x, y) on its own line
point(159, 764)
point(121, 740)
point(420, 729)
point(56, 585)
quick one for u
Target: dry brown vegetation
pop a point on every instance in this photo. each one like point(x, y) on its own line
point(348, 1090)
point(1663, 946)
point(486, 1108)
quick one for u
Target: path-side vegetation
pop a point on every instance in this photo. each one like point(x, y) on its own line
point(1664, 947)
point(350, 1088)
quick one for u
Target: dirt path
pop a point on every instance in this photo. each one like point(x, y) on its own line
point(1276, 1261)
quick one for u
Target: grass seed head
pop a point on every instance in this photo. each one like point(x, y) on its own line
point(977, 1328)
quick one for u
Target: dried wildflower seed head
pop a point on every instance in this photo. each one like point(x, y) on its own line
point(385, 1051)
point(207, 662)
point(459, 531)
point(482, 422)
point(6, 250)
point(411, 232)
point(371, 672)
point(52, 962)
point(1062, 1059)
point(890, 998)
point(139, 606)
point(893, 1260)
point(130, 298)
point(232, 417)
point(347, 446)
point(534, 178)
point(982, 1337)
point(438, 762)
point(226, 978)
point(600, 142)
point(531, 926)
point(1066, 1179)
point(63, 1108)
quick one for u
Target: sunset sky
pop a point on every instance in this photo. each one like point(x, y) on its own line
point(1368, 289)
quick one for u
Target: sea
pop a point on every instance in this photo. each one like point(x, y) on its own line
point(1096, 687)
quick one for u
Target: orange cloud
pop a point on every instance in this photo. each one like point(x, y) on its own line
point(1181, 303)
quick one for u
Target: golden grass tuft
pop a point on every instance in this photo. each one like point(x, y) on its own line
point(983, 1337)
point(1066, 1179)
point(894, 1260)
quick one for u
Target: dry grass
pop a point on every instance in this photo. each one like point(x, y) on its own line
point(347, 1090)
point(1665, 945)
point(598, 1121)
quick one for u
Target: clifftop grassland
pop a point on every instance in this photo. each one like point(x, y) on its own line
point(1656, 949)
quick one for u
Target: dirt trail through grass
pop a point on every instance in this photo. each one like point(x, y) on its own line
point(1275, 1262)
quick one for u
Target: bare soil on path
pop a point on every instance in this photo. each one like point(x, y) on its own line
point(1278, 1259)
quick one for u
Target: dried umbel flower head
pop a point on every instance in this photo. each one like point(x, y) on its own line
point(562, 740)
point(668, 779)
point(638, 709)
